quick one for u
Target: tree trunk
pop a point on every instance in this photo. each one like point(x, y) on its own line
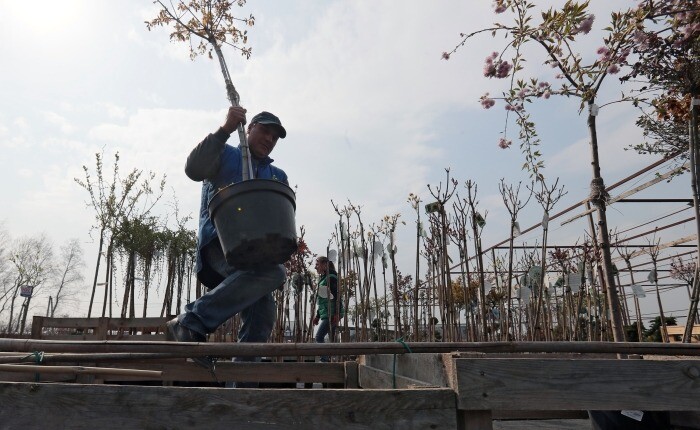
point(598, 200)
point(97, 271)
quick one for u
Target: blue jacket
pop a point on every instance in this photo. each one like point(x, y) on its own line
point(218, 165)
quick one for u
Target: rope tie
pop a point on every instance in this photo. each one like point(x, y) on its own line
point(598, 194)
point(38, 359)
point(393, 371)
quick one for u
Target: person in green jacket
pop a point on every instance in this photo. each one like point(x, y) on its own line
point(329, 309)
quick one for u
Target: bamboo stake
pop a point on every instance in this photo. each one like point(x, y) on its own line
point(79, 370)
point(228, 349)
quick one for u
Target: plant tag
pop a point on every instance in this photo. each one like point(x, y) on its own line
point(593, 109)
point(635, 415)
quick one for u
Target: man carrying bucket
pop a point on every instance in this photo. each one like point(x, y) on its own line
point(217, 165)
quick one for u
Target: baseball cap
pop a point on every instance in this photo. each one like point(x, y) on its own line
point(268, 118)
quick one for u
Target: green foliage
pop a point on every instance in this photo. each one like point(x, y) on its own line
point(654, 332)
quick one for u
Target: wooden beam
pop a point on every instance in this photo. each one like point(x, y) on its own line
point(128, 407)
point(182, 370)
point(28, 368)
point(635, 190)
point(553, 384)
point(660, 247)
point(227, 349)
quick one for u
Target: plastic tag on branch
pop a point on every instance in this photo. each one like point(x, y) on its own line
point(480, 221)
point(524, 295)
point(332, 255)
point(432, 207)
point(545, 220)
point(421, 230)
point(516, 229)
point(343, 231)
point(593, 109)
point(652, 276)
point(638, 291)
point(574, 282)
point(378, 249)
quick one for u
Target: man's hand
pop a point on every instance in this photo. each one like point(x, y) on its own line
point(316, 319)
point(335, 319)
point(234, 118)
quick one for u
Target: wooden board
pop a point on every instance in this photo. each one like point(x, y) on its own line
point(371, 377)
point(129, 407)
point(582, 384)
point(427, 367)
point(182, 370)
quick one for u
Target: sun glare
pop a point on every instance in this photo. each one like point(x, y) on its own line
point(44, 18)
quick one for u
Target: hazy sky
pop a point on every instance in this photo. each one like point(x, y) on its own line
point(371, 110)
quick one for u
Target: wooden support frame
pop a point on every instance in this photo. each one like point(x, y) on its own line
point(117, 407)
point(101, 328)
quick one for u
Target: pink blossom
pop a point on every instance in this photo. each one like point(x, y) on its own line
point(585, 25)
point(521, 94)
point(604, 53)
point(445, 55)
point(546, 94)
point(503, 143)
point(499, 7)
point(503, 69)
point(487, 102)
point(613, 69)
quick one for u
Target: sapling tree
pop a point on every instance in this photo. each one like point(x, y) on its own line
point(32, 259)
point(388, 227)
point(477, 223)
point(415, 203)
point(442, 193)
point(513, 203)
point(556, 32)
point(547, 197)
point(115, 200)
point(212, 25)
point(687, 271)
point(69, 275)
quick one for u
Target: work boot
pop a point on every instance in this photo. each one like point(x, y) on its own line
point(179, 333)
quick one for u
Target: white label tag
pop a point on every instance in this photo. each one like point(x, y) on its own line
point(635, 415)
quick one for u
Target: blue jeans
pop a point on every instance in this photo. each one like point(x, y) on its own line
point(246, 291)
point(324, 328)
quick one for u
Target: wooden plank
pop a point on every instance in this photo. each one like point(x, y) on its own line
point(555, 384)
point(148, 322)
point(680, 329)
point(352, 378)
point(37, 325)
point(371, 377)
point(71, 322)
point(118, 407)
point(428, 368)
point(475, 420)
point(181, 370)
point(137, 337)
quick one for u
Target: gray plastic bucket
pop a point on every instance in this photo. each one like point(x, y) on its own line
point(255, 222)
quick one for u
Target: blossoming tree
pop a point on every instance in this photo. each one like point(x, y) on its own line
point(557, 32)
